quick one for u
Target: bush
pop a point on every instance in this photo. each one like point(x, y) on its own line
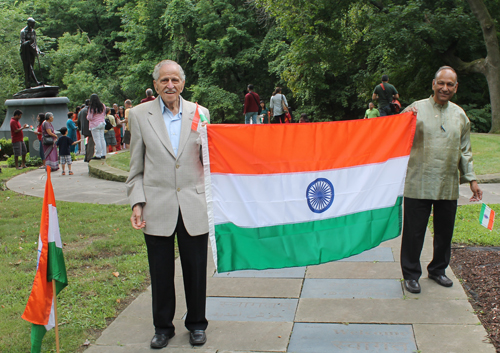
point(480, 118)
point(6, 147)
point(30, 161)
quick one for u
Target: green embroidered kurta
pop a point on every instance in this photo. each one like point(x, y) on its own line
point(441, 155)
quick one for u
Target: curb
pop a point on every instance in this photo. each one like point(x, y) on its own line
point(100, 169)
point(488, 178)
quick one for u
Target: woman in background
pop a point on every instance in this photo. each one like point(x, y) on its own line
point(96, 115)
point(70, 125)
point(50, 150)
point(38, 132)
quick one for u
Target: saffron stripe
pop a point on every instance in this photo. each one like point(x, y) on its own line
point(289, 148)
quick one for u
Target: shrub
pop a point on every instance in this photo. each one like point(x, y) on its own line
point(30, 161)
point(6, 147)
point(480, 118)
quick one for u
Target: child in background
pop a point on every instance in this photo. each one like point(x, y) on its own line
point(64, 143)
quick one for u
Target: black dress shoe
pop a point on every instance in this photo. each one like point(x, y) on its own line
point(95, 158)
point(412, 285)
point(160, 340)
point(441, 280)
point(197, 337)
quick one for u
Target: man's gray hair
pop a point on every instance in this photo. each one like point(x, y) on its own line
point(149, 92)
point(445, 68)
point(156, 72)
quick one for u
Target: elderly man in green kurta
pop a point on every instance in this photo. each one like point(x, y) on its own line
point(440, 158)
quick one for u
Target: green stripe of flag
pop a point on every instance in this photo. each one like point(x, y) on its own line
point(481, 215)
point(307, 243)
point(56, 268)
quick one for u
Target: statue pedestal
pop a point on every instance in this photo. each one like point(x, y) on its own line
point(30, 108)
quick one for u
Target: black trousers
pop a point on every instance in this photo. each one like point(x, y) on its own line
point(161, 258)
point(416, 216)
point(89, 148)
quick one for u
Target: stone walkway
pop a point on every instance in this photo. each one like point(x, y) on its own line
point(353, 305)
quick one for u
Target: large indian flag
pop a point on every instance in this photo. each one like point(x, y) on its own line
point(50, 266)
point(302, 194)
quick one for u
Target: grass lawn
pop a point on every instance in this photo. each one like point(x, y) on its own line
point(468, 231)
point(486, 152)
point(119, 161)
point(105, 259)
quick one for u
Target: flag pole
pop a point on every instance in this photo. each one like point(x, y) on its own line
point(55, 313)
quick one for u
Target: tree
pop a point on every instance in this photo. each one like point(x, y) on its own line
point(488, 66)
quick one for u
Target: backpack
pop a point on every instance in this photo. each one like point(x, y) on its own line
point(108, 126)
point(394, 103)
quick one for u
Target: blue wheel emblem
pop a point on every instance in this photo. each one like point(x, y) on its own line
point(320, 195)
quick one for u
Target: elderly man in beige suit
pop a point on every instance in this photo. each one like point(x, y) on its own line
point(167, 194)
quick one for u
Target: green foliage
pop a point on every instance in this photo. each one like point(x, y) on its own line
point(480, 118)
point(30, 161)
point(6, 148)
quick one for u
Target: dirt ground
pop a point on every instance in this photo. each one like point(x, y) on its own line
point(479, 271)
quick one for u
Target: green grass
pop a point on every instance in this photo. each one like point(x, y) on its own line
point(8, 173)
point(120, 161)
point(486, 153)
point(468, 231)
point(98, 240)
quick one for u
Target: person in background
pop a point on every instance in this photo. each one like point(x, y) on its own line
point(118, 129)
point(385, 93)
point(303, 118)
point(64, 143)
point(84, 127)
point(126, 135)
point(50, 150)
point(109, 135)
point(78, 148)
point(149, 96)
point(121, 114)
point(70, 125)
point(371, 112)
point(264, 114)
point(278, 106)
point(16, 133)
point(38, 132)
point(251, 107)
point(96, 116)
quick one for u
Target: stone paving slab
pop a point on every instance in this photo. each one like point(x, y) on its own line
point(433, 291)
point(353, 338)
point(139, 348)
point(491, 194)
point(290, 272)
point(337, 269)
point(352, 288)
point(375, 254)
point(254, 287)
point(251, 309)
point(452, 339)
point(395, 311)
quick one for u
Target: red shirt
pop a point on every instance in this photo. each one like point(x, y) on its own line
point(15, 125)
point(147, 99)
point(39, 129)
point(252, 101)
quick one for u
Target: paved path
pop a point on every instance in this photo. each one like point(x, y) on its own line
point(353, 305)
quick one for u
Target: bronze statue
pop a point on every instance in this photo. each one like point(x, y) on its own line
point(29, 51)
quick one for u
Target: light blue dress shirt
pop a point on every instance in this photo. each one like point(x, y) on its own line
point(173, 124)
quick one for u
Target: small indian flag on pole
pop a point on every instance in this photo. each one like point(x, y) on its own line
point(284, 195)
point(487, 217)
point(50, 277)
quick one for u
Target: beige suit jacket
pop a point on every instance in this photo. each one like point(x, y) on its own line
point(161, 181)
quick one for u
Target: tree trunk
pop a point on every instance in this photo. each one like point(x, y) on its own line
point(489, 66)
